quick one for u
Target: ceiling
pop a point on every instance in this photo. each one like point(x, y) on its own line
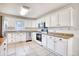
point(36, 9)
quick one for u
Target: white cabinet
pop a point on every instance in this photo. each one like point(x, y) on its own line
point(16, 37)
point(2, 51)
point(3, 48)
point(40, 20)
point(61, 46)
point(65, 17)
point(47, 20)
point(54, 19)
point(44, 40)
point(50, 43)
point(28, 23)
point(33, 35)
point(33, 23)
point(22, 36)
point(55, 44)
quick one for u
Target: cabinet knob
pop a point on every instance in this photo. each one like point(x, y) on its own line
point(4, 43)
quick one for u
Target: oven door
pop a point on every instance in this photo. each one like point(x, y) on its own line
point(39, 37)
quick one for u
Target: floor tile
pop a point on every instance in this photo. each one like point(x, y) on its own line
point(28, 49)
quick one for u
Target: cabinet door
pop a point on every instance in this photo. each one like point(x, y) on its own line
point(3, 50)
point(54, 19)
point(22, 36)
point(61, 46)
point(33, 23)
point(44, 40)
point(47, 20)
point(28, 23)
point(33, 35)
point(50, 43)
point(65, 17)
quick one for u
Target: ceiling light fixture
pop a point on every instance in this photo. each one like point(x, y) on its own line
point(24, 10)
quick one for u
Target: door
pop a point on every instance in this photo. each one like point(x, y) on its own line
point(61, 46)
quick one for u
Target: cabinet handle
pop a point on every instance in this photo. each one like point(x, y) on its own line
point(54, 41)
point(4, 48)
point(60, 39)
point(50, 37)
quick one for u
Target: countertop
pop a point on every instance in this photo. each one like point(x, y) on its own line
point(25, 30)
point(60, 35)
point(55, 34)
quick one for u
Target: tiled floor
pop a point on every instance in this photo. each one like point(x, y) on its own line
point(28, 49)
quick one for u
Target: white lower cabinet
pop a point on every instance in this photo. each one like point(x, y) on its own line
point(33, 35)
point(3, 48)
point(55, 44)
point(50, 43)
point(61, 46)
point(44, 40)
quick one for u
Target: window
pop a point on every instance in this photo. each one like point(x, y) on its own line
point(19, 25)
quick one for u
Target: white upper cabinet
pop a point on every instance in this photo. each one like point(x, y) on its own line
point(29, 23)
point(58, 18)
point(65, 17)
point(40, 20)
point(47, 20)
point(33, 23)
point(54, 19)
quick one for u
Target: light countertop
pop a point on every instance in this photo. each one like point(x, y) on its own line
point(61, 35)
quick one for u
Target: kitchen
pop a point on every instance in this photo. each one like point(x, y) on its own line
point(48, 29)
